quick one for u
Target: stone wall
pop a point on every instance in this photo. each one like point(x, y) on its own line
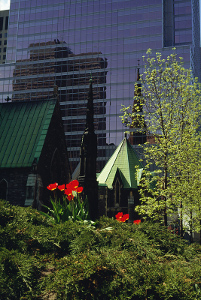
point(16, 179)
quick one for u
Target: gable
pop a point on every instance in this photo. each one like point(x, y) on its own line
point(124, 160)
point(23, 129)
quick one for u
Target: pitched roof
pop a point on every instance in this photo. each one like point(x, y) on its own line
point(23, 129)
point(124, 160)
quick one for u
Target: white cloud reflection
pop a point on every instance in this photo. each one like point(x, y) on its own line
point(4, 4)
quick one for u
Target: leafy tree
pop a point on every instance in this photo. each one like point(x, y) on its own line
point(170, 97)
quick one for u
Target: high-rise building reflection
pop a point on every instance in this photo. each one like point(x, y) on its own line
point(54, 71)
point(94, 30)
point(3, 34)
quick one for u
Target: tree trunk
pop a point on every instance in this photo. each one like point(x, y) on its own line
point(200, 226)
point(191, 227)
point(181, 220)
point(165, 188)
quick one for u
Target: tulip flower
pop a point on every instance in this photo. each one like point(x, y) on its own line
point(52, 186)
point(61, 187)
point(121, 217)
point(71, 187)
point(68, 193)
point(79, 189)
point(137, 222)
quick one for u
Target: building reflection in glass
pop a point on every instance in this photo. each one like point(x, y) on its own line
point(102, 37)
point(54, 71)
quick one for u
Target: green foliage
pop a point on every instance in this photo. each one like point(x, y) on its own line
point(18, 274)
point(87, 260)
point(62, 211)
point(6, 212)
point(170, 98)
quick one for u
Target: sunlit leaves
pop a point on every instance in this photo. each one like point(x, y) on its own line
point(171, 102)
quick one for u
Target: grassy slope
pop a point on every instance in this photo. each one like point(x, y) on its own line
point(110, 260)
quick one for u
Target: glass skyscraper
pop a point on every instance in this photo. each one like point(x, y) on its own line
point(3, 34)
point(54, 47)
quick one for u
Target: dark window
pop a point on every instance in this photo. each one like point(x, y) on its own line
point(117, 192)
point(3, 189)
point(168, 23)
point(30, 192)
point(1, 23)
point(6, 23)
point(5, 42)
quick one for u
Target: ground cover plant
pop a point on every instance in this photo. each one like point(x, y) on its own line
point(103, 260)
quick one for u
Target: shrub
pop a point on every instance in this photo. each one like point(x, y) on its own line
point(85, 260)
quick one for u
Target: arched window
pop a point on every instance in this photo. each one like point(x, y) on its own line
point(117, 192)
point(3, 189)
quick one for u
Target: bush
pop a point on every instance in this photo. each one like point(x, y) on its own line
point(83, 260)
point(18, 274)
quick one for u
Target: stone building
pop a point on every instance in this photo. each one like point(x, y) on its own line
point(118, 182)
point(33, 151)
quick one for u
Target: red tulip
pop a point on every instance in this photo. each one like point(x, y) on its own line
point(52, 186)
point(61, 187)
point(121, 217)
point(137, 222)
point(125, 218)
point(73, 184)
point(71, 187)
point(79, 189)
point(69, 196)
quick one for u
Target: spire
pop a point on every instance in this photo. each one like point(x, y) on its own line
point(138, 136)
point(90, 109)
point(138, 91)
point(88, 155)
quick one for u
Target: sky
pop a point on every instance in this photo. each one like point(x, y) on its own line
point(4, 4)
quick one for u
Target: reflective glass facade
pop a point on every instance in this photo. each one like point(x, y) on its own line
point(3, 34)
point(54, 47)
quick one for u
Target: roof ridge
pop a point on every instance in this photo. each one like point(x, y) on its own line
point(138, 160)
point(38, 146)
point(127, 145)
point(123, 159)
point(120, 145)
point(105, 167)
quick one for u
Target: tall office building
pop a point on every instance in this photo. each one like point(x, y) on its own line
point(3, 34)
point(69, 41)
point(54, 71)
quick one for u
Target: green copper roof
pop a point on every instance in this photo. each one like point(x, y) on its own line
point(124, 160)
point(23, 128)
